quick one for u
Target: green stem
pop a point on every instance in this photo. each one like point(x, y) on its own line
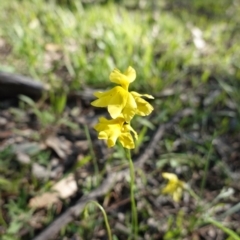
point(133, 203)
point(104, 216)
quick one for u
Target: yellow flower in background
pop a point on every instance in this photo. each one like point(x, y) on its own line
point(174, 186)
point(119, 101)
point(116, 129)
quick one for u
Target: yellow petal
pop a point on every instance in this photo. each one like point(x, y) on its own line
point(170, 176)
point(113, 138)
point(117, 102)
point(127, 127)
point(177, 194)
point(100, 126)
point(104, 98)
point(123, 79)
point(127, 141)
point(131, 74)
point(102, 135)
point(99, 94)
point(130, 108)
point(102, 120)
point(136, 94)
point(143, 107)
point(167, 190)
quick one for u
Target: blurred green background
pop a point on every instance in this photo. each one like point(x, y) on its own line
point(82, 41)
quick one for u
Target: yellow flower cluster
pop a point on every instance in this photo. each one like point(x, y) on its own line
point(122, 105)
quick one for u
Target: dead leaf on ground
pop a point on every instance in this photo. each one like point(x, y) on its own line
point(62, 147)
point(63, 189)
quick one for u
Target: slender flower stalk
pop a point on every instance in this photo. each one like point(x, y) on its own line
point(132, 184)
point(122, 106)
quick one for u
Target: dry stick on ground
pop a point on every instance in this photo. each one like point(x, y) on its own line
point(108, 183)
point(11, 85)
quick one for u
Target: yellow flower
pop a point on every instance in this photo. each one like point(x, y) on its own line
point(114, 129)
point(174, 186)
point(121, 102)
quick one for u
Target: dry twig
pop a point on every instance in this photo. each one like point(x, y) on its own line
point(11, 85)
